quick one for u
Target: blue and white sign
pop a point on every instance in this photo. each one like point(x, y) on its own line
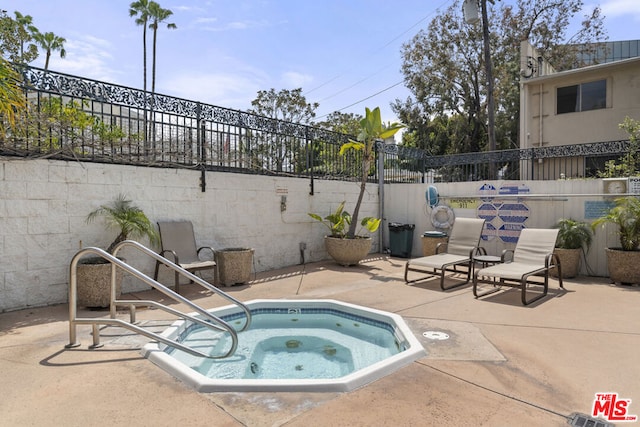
point(487, 211)
point(489, 232)
point(513, 212)
point(509, 233)
point(486, 191)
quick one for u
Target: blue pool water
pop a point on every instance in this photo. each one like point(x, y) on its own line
point(291, 345)
point(301, 345)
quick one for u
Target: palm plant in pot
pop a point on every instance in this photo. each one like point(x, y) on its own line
point(623, 262)
point(94, 273)
point(371, 129)
point(574, 240)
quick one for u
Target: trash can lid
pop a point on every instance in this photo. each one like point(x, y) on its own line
point(401, 226)
point(434, 234)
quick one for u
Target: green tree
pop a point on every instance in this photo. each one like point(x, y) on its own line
point(444, 68)
point(140, 9)
point(12, 99)
point(157, 15)
point(347, 123)
point(16, 38)
point(276, 149)
point(50, 42)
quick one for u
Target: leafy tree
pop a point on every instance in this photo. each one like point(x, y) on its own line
point(50, 42)
point(157, 15)
point(277, 149)
point(16, 38)
point(347, 123)
point(444, 68)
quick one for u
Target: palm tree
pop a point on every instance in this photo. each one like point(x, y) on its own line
point(26, 31)
point(140, 9)
point(128, 219)
point(50, 42)
point(158, 15)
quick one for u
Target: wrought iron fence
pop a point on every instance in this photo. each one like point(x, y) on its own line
point(70, 117)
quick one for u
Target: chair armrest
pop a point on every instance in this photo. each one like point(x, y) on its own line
point(507, 256)
point(208, 248)
point(175, 259)
point(441, 247)
point(477, 251)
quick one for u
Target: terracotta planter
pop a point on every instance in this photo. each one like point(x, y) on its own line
point(569, 262)
point(623, 265)
point(94, 284)
point(348, 251)
point(234, 265)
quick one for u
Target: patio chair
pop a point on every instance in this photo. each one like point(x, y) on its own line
point(179, 246)
point(458, 251)
point(533, 256)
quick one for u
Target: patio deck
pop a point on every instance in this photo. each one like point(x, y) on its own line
point(505, 364)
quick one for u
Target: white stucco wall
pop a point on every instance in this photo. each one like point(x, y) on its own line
point(44, 204)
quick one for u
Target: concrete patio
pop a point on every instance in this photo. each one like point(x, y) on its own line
point(504, 364)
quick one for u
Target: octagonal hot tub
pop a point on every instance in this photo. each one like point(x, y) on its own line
point(291, 345)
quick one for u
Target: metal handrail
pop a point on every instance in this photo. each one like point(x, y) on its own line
point(211, 322)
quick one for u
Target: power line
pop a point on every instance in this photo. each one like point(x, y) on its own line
point(364, 99)
point(373, 74)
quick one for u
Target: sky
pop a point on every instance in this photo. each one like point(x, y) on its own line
point(344, 54)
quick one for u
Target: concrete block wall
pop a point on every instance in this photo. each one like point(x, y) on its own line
point(547, 201)
point(44, 205)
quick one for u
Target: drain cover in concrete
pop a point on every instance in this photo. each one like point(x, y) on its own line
point(435, 335)
point(450, 340)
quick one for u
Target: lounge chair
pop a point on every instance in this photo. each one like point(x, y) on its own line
point(458, 251)
point(179, 246)
point(533, 256)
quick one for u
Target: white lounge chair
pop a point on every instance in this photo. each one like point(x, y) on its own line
point(179, 246)
point(533, 256)
point(458, 251)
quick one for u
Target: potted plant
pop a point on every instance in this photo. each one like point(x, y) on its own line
point(371, 129)
point(94, 273)
point(346, 251)
point(623, 262)
point(574, 240)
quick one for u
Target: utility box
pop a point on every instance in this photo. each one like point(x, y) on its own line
point(401, 239)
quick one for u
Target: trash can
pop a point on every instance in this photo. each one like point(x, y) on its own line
point(401, 239)
point(430, 240)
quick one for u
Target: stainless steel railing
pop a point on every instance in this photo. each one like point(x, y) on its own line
point(208, 320)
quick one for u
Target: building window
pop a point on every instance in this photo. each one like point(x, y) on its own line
point(582, 97)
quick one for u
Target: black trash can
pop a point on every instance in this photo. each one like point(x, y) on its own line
point(401, 239)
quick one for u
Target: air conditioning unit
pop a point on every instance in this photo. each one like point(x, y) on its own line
point(615, 185)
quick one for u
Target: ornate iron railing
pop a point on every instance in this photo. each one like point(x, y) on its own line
point(70, 117)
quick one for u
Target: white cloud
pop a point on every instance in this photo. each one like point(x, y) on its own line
point(294, 80)
point(230, 90)
point(613, 8)
point(86, 56)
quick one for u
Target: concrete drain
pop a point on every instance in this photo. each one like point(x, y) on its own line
point(435, 335)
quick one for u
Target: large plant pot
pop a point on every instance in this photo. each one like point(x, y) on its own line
point(234, 265)
point(569, 262)
point(623, 265)
point(348, 251)
point(94, 284)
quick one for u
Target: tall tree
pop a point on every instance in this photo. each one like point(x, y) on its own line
point(157, 15)
point(444, 68)
point(12, 99)
point(278, 150)
point(140, 9)
point(16, 38)
point(50, 42)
